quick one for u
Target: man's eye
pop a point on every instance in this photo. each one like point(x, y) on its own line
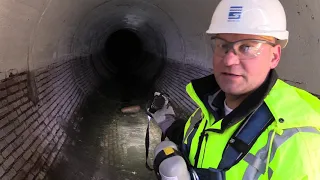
point(245, 48)
point(224, 46)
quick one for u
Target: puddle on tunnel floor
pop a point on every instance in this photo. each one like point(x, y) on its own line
point(106, 144)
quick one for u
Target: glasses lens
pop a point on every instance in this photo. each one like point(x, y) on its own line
point(219, 46)
point(247, 49)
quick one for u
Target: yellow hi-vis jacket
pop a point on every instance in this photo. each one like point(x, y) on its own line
point(289, 148)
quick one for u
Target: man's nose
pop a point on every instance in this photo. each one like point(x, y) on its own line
point(231, 58)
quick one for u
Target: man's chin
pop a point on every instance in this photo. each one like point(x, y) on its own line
point(236, 91)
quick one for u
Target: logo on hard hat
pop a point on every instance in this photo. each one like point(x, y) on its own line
point(235, 13)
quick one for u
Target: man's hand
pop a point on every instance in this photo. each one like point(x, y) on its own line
point(161, 111)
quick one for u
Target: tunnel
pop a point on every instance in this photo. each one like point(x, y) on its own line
point(68, 67)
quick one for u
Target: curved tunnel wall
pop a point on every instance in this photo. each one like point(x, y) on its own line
point(52, 58)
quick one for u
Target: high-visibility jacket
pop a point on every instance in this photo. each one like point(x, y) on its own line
point(289, 148)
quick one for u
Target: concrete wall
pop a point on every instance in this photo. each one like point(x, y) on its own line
point(300, 64)
point(46, 72)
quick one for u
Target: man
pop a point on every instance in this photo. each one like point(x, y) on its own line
point(249, 124)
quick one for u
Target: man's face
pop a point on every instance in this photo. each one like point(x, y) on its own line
point(246, 71)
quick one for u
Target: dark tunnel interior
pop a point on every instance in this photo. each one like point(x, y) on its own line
point(124, 51)
point(133, 64)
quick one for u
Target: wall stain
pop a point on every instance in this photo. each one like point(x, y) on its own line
point(33, 93)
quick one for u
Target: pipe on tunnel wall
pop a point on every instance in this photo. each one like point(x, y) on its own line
point(52, 58)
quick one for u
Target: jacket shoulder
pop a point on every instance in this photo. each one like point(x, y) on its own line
point(311, 99)
point(298, 157)
point(297, 107)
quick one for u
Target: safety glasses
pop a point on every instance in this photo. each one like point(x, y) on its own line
point(244, 49)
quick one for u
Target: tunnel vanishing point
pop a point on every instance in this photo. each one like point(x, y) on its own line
point(68, 66)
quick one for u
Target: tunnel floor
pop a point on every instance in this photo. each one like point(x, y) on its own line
point(106, 144)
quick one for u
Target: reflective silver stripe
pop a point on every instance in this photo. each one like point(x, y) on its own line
point(252, 172)
point(279, 140)
point(257, 168)
point(257, 163)
point(194, 119)
point(198, 115)
point(270, 173)
point(211, 99)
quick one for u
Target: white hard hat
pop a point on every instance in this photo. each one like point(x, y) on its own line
point(256, 17)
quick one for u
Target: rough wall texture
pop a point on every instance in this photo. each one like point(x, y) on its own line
point(173, 81)
point(300, 62)
point(33, 119)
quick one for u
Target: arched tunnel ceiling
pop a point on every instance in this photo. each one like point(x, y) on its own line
point(40, 32)
point(52, 58)
point(53, 29)
point(35, 33)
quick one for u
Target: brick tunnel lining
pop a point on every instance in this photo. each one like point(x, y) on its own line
point(32, 129)
point(37, 107)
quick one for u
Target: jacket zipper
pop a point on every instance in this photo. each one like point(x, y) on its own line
point(205, 147)
point(196, 158)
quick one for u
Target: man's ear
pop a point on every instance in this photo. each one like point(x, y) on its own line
point(276, 55)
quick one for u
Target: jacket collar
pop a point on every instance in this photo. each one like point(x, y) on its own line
point(210, 94)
